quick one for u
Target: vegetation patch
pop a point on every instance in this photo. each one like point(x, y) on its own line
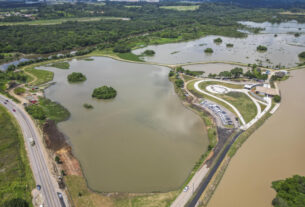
point(277, 98)
point(302, 55)
point(104, 92)
point(129, 56)
point(47, 109)
point(42, 76)
point(261, 48)
point(15, 173)
point(218, 40)
point(289, 192)
point(87, 106)
point(230, 45)
point(19, 90)
point(76, 77)
point(61, 65)
point(149, 53)
point(208, 50)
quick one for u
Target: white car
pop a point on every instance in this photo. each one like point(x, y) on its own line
point(185, 189)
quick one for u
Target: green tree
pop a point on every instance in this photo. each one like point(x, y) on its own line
point(36, 111)
point(208, 50)
point(16, 202)
point(104, 92)
point(179, 83)
point(76, 77)
point(237, 72)
point(277, 98)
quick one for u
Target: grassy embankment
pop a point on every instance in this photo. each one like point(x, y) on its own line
point(83, 197)
point(181, 8)
point(42, 76)
point(15, 173)
point(119, 56)
point(58, 21)
point(60, 65)
point(53, 110)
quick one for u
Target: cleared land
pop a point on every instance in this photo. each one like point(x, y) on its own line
point(61, 20)
point(293, 13)
point(43, 76)
point(15, 173)
point(181, 8)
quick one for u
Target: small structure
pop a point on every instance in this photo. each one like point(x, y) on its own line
point(248, 86)
point(266, 91)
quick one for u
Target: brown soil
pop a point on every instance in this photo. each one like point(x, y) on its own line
point(54, 139)
point(70, 164)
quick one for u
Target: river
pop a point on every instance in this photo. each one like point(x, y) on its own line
point(144, 140)
point(275, 151)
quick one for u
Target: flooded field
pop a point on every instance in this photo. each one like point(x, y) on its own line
point(282, 50)
point(144, 140)
point(275, 151)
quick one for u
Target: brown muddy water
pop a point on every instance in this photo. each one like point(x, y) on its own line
point(144, 140)
point(275, 151)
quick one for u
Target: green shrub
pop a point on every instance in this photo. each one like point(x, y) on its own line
point(179, 83)
point(261, 48)
point(104, 92)
point(277, 98)
point(229, 45)
point(76, 77)
point(218, 40)
point(302, 55)
point(19, 91)
point(149, 52)
point(208, 50)
point(36, 112)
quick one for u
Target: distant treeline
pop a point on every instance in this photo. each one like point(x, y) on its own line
point(148, 24)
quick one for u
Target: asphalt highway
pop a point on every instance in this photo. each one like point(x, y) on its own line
point(37, 157)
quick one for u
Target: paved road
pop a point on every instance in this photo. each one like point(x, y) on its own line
point(184, 197)
point(206, 181)
point(37, 157)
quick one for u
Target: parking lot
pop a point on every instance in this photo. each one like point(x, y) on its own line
point(224, 116)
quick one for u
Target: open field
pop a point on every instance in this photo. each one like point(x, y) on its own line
point(43, 76)
point(293, 13)
point(181, 8)
point(83, 197)
point(243, 103)
point(60, 21)
point(15, 172)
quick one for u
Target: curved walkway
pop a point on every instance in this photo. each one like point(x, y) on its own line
point(196, 86)
point(259, 113)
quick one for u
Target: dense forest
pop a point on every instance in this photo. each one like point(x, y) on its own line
point(289, 192)
point(147, 24)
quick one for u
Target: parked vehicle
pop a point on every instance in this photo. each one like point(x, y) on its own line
point(31, 141)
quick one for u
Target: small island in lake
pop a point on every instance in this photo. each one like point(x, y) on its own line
point(76, 77)
point(104, 92)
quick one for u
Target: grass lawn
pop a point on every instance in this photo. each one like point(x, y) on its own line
point(181, 8)
point(243, 103)
point(188, 78)
point(60, 65)
point(59, 21)
point(15, 173)
point(129, 56)
point(53, 110)
point(83, 197)
point(43, 76)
